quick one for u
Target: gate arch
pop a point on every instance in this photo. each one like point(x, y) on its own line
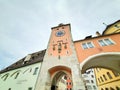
point(109, 60)
point(60, 78)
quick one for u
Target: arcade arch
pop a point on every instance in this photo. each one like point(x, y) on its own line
point(109, 60)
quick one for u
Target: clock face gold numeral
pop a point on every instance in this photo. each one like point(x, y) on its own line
point(60, 33)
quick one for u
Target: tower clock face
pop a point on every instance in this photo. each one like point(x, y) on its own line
point(60, 33)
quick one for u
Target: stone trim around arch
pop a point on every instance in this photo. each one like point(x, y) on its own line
point(109, 60)
point(56, 75)
point(59, 68)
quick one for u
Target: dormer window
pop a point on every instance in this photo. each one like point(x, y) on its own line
point(27, 58)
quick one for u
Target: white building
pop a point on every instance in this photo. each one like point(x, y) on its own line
point(90, 80)
point(23, 74)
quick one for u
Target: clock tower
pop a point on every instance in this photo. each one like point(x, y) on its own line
point(60, 63)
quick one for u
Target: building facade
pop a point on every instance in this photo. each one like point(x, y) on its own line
point(22, 74)
point(59, 66)
point(106, 78)
point(90, 80)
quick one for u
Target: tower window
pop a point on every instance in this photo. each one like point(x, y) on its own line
point(53, 47)
point(59, 47)
point(58, 56)
point(65, 46)
point(67, 52)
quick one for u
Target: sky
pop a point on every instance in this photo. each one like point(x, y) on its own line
point(25, 25)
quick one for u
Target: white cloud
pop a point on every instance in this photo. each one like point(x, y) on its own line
point(25, 24)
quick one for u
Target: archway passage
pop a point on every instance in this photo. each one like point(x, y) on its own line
point(61, 78)
point(109, 60)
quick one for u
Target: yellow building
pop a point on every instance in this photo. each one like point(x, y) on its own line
point(107, 79)
point(112, 28)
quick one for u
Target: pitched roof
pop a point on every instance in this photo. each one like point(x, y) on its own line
point(108, 26)
point(35, 58)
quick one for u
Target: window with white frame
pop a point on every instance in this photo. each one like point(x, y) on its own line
point(90, 45)
point(105, 42)
point(87, 45)
point(84, 45)
point(102, 43)
point(109, 42)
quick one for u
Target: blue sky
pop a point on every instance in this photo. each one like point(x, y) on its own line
point(25, 25)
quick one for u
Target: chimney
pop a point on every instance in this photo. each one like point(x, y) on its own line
point(98, 34)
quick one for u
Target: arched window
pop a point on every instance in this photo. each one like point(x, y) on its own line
point(112, 88)
point(109, 75)
point(16, 74)
point(104, 77)
point(4, 77)
point(92, 81)
point(27, 70)
point(117, 88)
point(101, 79)
point(102, 89)
point(116, 74)
point(106, 89)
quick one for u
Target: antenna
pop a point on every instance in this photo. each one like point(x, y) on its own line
point(105, 24)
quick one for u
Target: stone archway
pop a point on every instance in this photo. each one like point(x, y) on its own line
point(61, 78)
point(109, 60)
